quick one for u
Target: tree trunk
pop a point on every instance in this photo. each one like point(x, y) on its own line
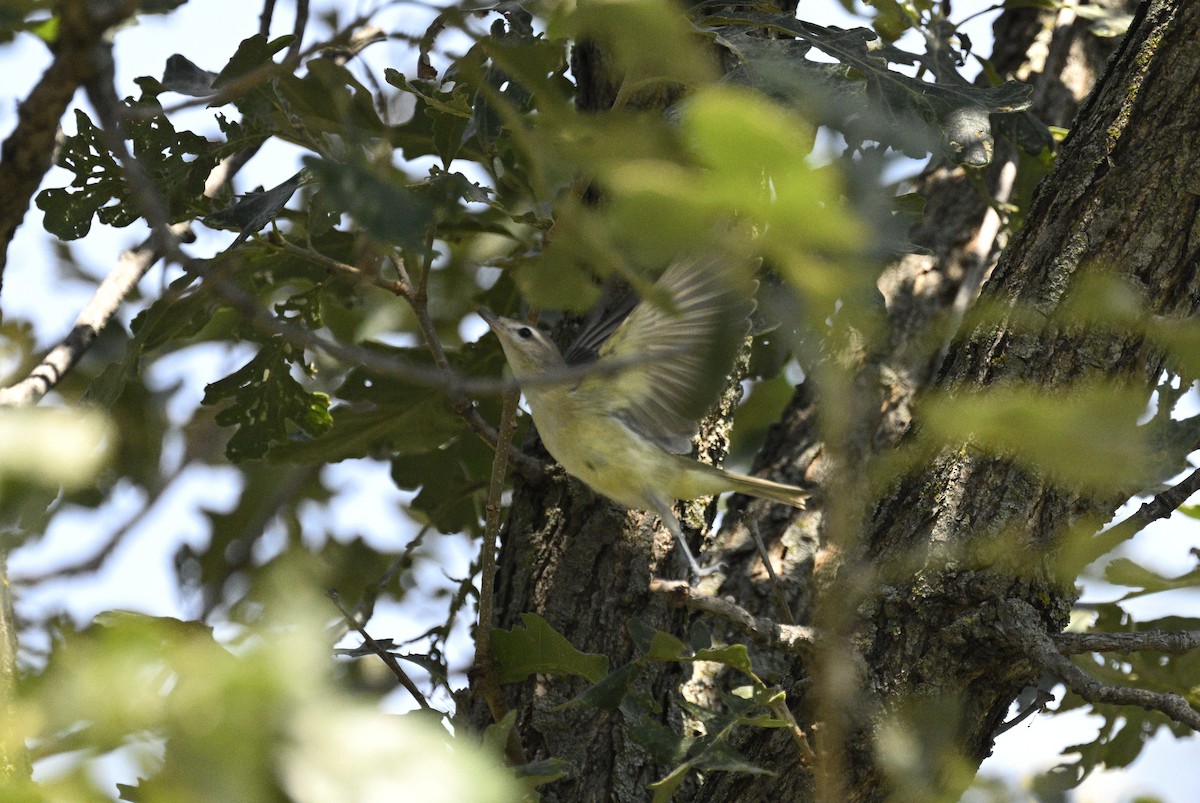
point(920, 615)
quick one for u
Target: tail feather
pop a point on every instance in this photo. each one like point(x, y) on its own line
point(765, 489)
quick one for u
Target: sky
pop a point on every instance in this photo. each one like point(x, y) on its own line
point(140, 575)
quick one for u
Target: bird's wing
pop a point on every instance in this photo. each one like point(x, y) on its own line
point(615, 305)
point(681, 343)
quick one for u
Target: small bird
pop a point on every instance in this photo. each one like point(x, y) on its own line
point(626, 430)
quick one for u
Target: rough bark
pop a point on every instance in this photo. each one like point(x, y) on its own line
point(932, 626)
point(917, 610)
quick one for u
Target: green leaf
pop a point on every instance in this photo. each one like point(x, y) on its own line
point(14, 17)
point(453, 480)
point(537, 773)
point(331, 104)
point(735, 656)
point(182, 76)
point(663, 744)
point(1124, 572)
point(159, 6)
point(535, 647)
point(267, 405)
point(665, 788)
point(666, 647)
point(177, 162)
point(253, 54)
point(394, 430)
point(608, 693)
point(377, 198)
point(439, 121)
point(255, 209)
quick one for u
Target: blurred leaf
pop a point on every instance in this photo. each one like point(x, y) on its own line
point(158, 6)
point(890, 21)
point(377, 198)
point(537, 773)
point(648, 42)
point(268, 502)
point(14, 16)
point(1085, 436)
point(131, 679)
point(535, 647)
point(54, 447)
point(1124, 572)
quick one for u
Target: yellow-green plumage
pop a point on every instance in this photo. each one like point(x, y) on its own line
point(624, 432)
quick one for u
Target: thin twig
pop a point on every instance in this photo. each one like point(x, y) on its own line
point(1029, 635)
point(293, 54)
point(379, 650)
point(335, 266)
point(484, 665)
point(785, 610)
point(264, 19)
point(797, 639)
point(808, 756)
point(1160, 507)
point(1039, 703)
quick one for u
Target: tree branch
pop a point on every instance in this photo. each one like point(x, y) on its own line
point(1160, 507)
point(94, 316)
point(28, 152)
point(1164, 641)
point(1029, 635)
point(380, 650)
point(484, 666)
point(792, 638)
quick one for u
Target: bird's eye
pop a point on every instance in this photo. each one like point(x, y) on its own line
point(524, 333)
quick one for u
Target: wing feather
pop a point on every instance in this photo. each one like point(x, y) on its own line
point(684, 339)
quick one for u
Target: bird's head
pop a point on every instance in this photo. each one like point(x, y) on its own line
point(528, 350)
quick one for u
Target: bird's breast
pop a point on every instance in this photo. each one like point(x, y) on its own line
point(597, 447)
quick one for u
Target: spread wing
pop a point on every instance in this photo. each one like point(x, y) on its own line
point(600, 323)
point(682, 342)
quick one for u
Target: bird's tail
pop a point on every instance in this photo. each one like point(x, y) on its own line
point(765, 489)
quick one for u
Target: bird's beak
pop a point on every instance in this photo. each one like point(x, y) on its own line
point(489, 317)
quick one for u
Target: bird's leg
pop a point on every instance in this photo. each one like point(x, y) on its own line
point(667, 515)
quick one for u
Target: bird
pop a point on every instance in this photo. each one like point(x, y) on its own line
point(625, 429)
